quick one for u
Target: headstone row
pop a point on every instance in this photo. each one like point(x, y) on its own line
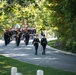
point(14, 72)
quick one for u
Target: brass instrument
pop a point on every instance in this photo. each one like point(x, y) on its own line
point(18, 34)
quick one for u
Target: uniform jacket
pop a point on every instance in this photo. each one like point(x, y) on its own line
point(35, 41)
point(43, 41)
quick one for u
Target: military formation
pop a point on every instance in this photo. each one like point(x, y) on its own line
point(19, 34)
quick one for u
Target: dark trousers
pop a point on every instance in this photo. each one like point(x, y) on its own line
point(7, 40)
point(36, 48)
point(27, 41)
point(17, 41)
point(44, 47)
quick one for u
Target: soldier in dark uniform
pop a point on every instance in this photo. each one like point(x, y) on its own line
point(10, 34)
point(6, 37)
point(43, 43)
point(36, 43)
point(18, 37)
point(26, 37)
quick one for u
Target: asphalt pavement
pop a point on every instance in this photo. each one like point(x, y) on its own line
point(54, 58)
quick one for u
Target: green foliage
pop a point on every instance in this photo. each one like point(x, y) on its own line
point(42, 14)
point(64, 19)
point(15, 11)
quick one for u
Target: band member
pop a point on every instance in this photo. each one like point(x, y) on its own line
point(6, 37)
point(18, 37)
point(11, 34)
point(36, 43)
point(43, 43)
point(26, 37)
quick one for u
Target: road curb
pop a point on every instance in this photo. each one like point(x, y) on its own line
point(60, 50)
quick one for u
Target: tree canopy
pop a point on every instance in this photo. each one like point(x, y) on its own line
point(42, 14)
point(13, 12)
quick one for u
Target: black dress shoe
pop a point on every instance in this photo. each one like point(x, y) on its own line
point(35, 53)
point(43, 53)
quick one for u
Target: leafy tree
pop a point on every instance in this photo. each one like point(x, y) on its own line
point(42, 14)
point(15, 11)
point(63, 17)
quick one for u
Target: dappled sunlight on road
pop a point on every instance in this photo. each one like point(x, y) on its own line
point(22, 48)
point(40, 58)
point(13, 54)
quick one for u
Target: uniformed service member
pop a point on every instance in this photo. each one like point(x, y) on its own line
point(6, 37)
point(36, 43)
point(43, 43)
point(18, 37)
point(26, 37)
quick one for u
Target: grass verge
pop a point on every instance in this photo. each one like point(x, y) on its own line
point(26, 69)
point(57, 45)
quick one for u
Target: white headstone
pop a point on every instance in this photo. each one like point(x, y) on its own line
point(40, 72)
point(18, 74)
point(13, 70)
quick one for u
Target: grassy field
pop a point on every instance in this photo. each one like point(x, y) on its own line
point(26, 69)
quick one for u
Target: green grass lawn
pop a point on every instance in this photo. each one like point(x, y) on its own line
point(62, 46)
point(26, 69)
point(55, 44)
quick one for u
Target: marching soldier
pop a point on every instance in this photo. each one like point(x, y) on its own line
point(6, 37)
point(18, 37)
point(26, 37)
point(43, 43)
point(36, 43)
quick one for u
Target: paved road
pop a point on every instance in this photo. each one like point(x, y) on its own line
point(53, 58)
